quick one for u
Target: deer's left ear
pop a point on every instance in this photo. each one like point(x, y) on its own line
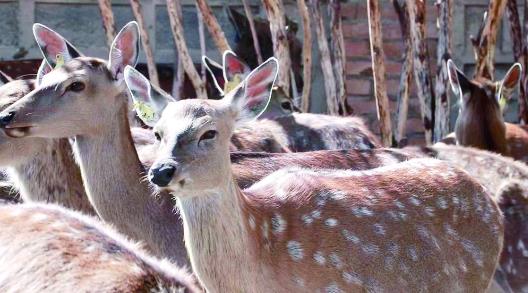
point(44, 69)
point(53, 46)
point(510, 82)
point(4, 78)
point(124, 50)
point(216, 72)
point(250, 99)
point(149, 102)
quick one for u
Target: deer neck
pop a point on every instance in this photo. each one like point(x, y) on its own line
point(51, 175)
point(115, 183)
point(218, 241)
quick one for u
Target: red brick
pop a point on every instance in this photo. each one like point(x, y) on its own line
point(392, 67)
point(358, 86)
point(388, 12)
point(363, 68)
point(393, 50)
point(393, 86)
point(356, 30)
point(392, 32)
point(357, 48)
point(362, 105)
point(414, 125)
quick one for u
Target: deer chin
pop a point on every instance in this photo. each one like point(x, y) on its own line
point(18, 132)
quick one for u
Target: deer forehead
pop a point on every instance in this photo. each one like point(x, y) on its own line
point(82, 67)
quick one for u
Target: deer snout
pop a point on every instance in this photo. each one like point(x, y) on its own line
point(162, 174)
point(6, 118)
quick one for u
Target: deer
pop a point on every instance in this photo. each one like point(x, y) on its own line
point(48, 248)
point(305, 230)
point(480, 122)
point(43, 170)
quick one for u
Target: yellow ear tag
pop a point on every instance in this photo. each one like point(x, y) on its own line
point(60, 61)
point(502, 103)
point(144, 111)
point(232, 84)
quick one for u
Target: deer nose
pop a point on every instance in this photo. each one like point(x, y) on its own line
point(6, 119)
point(162, 175)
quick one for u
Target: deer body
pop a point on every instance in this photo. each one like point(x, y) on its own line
point(304, 230)
point(45, 248)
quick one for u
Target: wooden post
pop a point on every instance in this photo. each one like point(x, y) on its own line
point(402, 107)
point(487, 38)
point(105, 7)
point(201, 35)
point(174, 9)
point(443, 53)
point(281, 48)
point(378, 71)
point(520, 55)
point(307, 55)
point(212, 25)
point(145, 42)
point(338, 48)
point(326, 61)
point(416, 10)
point(251, 21)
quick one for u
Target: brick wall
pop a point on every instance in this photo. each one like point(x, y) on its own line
point(359, 83)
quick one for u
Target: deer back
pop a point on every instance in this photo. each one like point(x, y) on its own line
point(48, 248)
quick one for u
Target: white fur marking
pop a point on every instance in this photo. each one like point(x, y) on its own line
point(295, 250)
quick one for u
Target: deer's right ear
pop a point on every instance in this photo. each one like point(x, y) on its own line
point(250, 99)
point(124, 50)
point(44, 69)
point(216, 72)
point(52, 45)
point(457, 79)
point(149, 102)
point(4, 78)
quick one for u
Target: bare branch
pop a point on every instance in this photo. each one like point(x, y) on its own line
point(174, 9)
point(307, 55)
point(105, 7)
point(212, 25)
point(145, 42)
point(251, 21)
point(338, 48)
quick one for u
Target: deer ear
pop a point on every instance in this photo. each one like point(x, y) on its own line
point(124, 50)
point(52, 45)
point(4, 78)
point(233, 66)
point(149, 102)
point(250, 99)
point(216, 73)
point(510, 81)
point(459, 82)
point(44, 69)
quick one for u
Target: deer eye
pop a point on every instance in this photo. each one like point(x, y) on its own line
point(76, 87)
point(210, 134)
point(286, 106)
point(157, 135)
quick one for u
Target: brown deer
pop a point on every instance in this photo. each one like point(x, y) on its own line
point(480, 123)
point(46, 248)
point(306, 230)
point(42, 170)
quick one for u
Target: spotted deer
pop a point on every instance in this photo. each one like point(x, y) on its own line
point(300, 230)
point(85, 98)
point(480, 123)
point(42, 170)
point(46, 248)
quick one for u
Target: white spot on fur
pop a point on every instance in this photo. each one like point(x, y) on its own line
point(352, 278)
point(278, 224)
point(333, 288)
point(336, 260)
point(331, 222)
point(370, 248)
point(522, 248)
point(379, 229)
point(319, 258)
point(350, 237)
point(430, 211)
point(414, 201)
point(362, 212)
point(265, 230)
point(337, 195)
point(399, 204)
point(474, 251)
point(295, 250)
point(316, 214)
point(299, 281)
point(412, 253)
point(307, 220)
point(393, 248)
point(441, 202)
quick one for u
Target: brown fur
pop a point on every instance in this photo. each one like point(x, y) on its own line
point(45, 248)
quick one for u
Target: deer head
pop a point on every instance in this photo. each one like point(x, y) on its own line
point(96, 86)
point(193, 132)
point(233, 72)
point(480, 123)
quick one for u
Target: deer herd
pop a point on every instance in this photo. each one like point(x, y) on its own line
point(245, 190)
